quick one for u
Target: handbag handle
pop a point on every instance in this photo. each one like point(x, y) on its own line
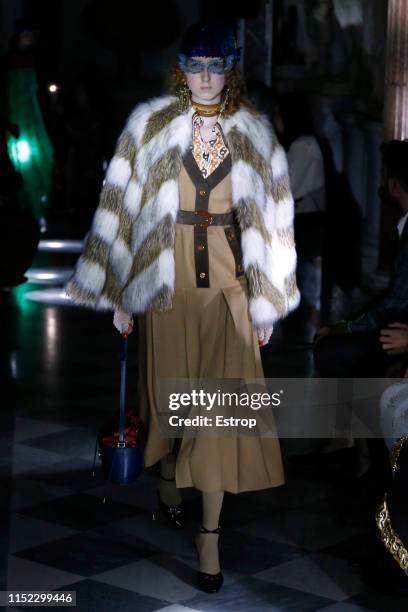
point(121, 436)
point(123, 363)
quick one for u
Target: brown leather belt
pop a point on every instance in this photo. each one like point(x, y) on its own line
point(203, 218)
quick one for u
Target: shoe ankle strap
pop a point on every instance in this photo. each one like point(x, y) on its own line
point(205, 530)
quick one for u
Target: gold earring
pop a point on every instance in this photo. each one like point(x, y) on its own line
point(184, 97)
point(224, 102)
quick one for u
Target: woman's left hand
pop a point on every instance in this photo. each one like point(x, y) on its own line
point(264, 334)
point(123, 322)
point(394, 338)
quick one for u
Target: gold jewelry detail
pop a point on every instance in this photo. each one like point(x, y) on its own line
point(390, 538)
point(207, 110)
point(396, 452)
point(184, 97)
point(225, 101)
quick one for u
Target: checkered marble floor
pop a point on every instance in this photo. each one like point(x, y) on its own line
point(281, 549)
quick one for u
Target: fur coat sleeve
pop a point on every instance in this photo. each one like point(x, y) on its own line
point(104, 265)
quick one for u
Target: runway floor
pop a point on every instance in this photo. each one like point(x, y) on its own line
point(282, 549)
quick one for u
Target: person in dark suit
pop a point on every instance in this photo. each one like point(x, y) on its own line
point(353, 348)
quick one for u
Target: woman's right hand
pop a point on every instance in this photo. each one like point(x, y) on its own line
point(123, 321)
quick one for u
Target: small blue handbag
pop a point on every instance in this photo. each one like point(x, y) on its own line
point(121, 451)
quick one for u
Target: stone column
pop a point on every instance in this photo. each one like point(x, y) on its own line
point(370, 239)
point(395, 114)
point(396, 72)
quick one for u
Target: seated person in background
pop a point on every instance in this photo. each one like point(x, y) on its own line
point(353, 348)
point(294, 125)
point(394, 338)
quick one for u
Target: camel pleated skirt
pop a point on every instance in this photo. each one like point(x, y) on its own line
point(206, 335)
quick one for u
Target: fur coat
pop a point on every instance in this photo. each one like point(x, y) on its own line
point(128, 256)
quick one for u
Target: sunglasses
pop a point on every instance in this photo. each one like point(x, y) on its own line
point(219, 65)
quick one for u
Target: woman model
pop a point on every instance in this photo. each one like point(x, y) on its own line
point(194, 234)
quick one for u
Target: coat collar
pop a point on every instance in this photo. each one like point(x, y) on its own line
point(158, 125)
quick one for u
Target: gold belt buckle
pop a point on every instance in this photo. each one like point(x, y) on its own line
point(207, 215)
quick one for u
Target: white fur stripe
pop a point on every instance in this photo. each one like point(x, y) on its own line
point(246, 183)
point(253, 248)
point(276, 261)
point(119, 172)
point(280, 263)
point(105, 224)
point(131, 200)
point(105, 304)
point(138, 119)
point(268, 215)
point(90, 276)
point(164, 202)
point(262, 312)
point(254, 128)
point(294, 301)
point(279, 163)
point(121, 260)
point(177, 133)
point(141, 291)
point(284, 213)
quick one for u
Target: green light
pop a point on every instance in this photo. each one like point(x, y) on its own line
point(21, 151)
point(31, 153)
point(23, 304)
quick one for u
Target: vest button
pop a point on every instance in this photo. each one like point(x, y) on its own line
point(202, 274)
point(200, 247)
point(202, 192)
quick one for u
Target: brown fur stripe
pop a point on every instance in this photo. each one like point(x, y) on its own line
point(80, 295)
point(126, 148)
point(259, 285)
point(275, 142)
point(241, 148)
point(111, 289)
point(111, 198)
point(134, 175)
point(249, 215)
point(158, 121)
point(162, 237)
point(287, 237)
point(166, 168)
point(163, 300)
point(96, 251)
point(273, 295)
point(281, 188)
point(291, 286)
point(254, 281)
point(125, 228)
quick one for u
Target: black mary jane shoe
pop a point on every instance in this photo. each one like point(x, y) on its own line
point(210, 583)
point(174, 514)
